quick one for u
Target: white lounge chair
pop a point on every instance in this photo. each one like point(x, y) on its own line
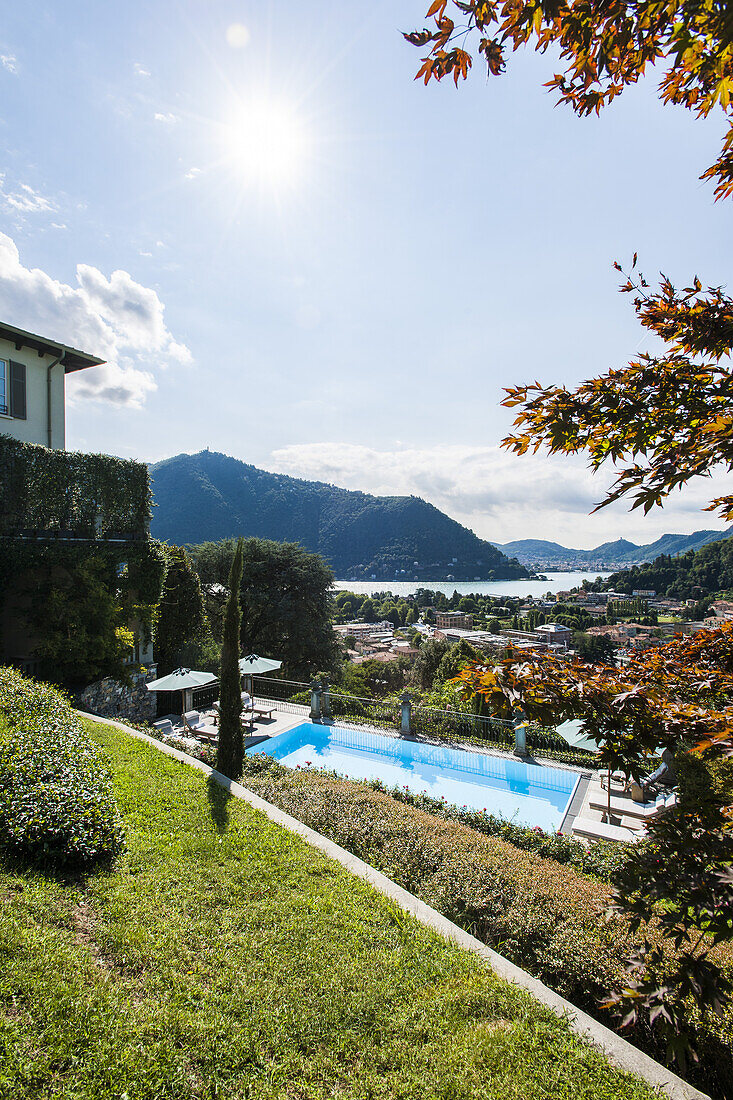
point(601, 830)
point(626, 807)
point(195, 724)
point(165, 727)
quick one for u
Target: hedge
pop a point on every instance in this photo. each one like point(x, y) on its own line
point(56, 804)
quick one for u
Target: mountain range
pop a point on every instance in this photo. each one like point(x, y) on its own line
point(538, 554)
point(209, 496)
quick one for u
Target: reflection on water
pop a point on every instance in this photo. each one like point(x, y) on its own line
point(528, 793)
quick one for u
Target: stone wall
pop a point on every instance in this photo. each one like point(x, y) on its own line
point(111, 699)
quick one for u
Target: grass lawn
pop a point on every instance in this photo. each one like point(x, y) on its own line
point(223, 957)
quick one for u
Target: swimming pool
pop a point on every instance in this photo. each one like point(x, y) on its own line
point(530, 794)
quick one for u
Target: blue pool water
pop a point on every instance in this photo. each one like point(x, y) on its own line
point(528, 793)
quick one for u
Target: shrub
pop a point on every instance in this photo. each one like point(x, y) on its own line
point(56, 802)
point(600, 858)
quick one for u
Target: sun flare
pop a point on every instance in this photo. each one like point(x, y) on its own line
point(267, 141)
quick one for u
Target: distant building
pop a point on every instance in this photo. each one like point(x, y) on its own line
point(364, 630)
point(644, 593)
point(479, 638)
point(555, 633)
point(447, 619)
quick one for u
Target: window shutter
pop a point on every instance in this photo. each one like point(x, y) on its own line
point(17, 390)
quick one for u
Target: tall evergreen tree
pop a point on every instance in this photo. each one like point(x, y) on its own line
point(230, 754)
point(181, 620)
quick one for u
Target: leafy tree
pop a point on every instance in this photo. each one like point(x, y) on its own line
point(369, 611)
point(494, 626)
point(75, 613)
point(662, 420)
point(286, 601)
point(230, 751)
point(595, 648)
point(602, 49)
point(458, 656)
point(427, 661)
point(676, 696)
point(411, 617)
point(373, 678)
point(181, 625)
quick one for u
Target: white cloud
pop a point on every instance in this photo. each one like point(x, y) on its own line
point(500, 495)
point(192, 173)
point(238, 35)
point(117, 319)
point(25, 200)
point(169, 119)
point(59, 225)
point(9, 61)
point(140, 70)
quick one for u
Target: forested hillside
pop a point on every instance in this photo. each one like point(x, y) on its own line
point(704, 572)
point(208, 496)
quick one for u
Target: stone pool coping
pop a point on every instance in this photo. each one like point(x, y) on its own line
point(622, 1053)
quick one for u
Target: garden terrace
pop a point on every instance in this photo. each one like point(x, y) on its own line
point(63, 494)
point(223, 956)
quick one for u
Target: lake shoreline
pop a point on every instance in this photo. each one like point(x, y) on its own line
point(553, 581)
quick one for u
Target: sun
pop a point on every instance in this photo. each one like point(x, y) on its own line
point(267, 141)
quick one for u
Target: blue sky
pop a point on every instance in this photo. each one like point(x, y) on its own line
point(292, 253)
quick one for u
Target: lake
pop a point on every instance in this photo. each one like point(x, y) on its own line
point(556, 582)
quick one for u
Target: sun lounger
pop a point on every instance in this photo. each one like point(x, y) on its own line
point(601, 830)
point(165, 726)
point(195, 724)
point(626, 806)
point(261, 712)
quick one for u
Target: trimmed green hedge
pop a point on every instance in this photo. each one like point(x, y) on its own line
point(56, 802)
point(93, 495)
point(599, 858)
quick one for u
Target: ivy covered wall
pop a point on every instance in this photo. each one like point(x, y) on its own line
point(78, 569)
point(89, 496)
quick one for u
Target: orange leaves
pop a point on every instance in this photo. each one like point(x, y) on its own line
point(603, 49)
point(668, 417)
point(457, 62)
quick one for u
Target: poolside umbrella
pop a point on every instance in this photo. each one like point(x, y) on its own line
point(183, 680)
point(256, 666)
point(574, 733)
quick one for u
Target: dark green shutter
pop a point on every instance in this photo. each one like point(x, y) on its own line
point(17, 390)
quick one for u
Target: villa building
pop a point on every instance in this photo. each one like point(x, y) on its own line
point(32, 386)
point(59, 509)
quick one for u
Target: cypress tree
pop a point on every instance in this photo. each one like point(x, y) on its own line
point(230, 753)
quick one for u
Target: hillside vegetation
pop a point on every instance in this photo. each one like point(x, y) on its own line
point(698, 573)
point(208, 496)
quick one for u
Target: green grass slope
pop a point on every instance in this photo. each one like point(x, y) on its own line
point(208, 496)
point(223, 957)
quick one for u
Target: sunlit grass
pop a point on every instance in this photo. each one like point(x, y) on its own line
point(223, 957)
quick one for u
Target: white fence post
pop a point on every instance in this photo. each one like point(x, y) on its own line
point(325, 699)
point(406, 724)
point(520, 732)
point(315, 715)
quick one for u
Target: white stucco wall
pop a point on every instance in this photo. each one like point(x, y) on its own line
point(35, 428)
